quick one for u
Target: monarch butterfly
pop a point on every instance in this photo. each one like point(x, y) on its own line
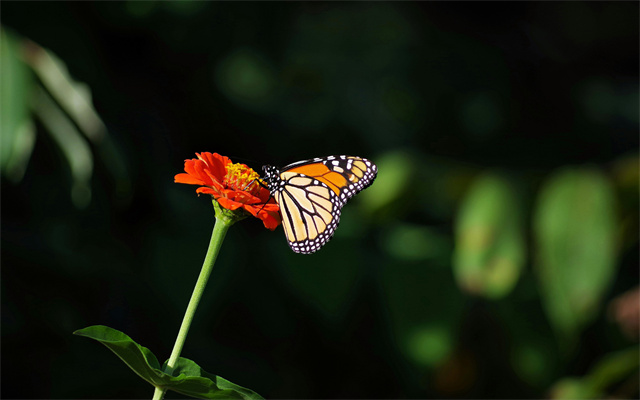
point(311, 193)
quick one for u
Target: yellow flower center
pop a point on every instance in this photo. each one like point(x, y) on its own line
point(241, 177)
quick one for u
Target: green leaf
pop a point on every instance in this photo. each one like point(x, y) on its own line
point(140, 359)
point(17, 132)
point(490, 247)
point(187, 377)
point(575, 232)
point(192, 380)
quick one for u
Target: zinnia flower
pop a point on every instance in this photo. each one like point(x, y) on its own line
point(233, 186)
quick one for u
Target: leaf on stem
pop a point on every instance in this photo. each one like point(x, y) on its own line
point(192, 380)
point(140, 359)
point(187, 378)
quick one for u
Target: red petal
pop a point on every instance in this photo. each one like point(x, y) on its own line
point(189, 167)
point(218, 186)
point(229, 204)
point(268, 213)
point(270, 220)
point(188, 179)
point(216, 164)
point(207, 190)
point(240, 196)
point(200, 170)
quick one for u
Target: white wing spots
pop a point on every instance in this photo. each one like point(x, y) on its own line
point(358, 172)
point(310, 213)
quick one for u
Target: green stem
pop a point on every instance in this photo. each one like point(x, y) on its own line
point(220, 229)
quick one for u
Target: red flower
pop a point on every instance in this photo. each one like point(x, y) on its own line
point(233, 186)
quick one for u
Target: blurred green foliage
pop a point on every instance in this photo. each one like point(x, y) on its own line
point(63, 106)
point(18, 132)
point(575, 229)
point(489, 259)
point(490, 250)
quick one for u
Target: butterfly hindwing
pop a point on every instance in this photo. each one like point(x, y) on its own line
point(310, 212)
point(311, 193)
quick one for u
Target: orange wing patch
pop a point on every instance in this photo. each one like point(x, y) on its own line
point(319, 171)
point(314, 170)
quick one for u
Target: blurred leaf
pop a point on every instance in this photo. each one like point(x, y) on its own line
point(575, 231)
point(570, 389)
point(430, 344)
point(395, 170)
point(612, 369)
point(17, 133)
point(412, 242)
point(188, 378)
point(490, 248)
point(65, 108)
point(73, 146)
point(72, 96)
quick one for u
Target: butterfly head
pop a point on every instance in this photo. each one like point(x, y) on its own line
point(271, 175)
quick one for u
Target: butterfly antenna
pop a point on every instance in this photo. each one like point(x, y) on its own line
point(259, 181)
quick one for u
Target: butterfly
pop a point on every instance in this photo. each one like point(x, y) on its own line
point(311, 194)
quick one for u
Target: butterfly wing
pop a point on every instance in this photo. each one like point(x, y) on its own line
point(311, 194)
point(345, 175)
point(310, 212)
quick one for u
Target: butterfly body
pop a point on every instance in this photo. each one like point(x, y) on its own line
point(311, 194)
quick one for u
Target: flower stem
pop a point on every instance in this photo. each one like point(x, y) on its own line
point(220, 229)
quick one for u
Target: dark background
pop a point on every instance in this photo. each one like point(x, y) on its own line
point(437, 92)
